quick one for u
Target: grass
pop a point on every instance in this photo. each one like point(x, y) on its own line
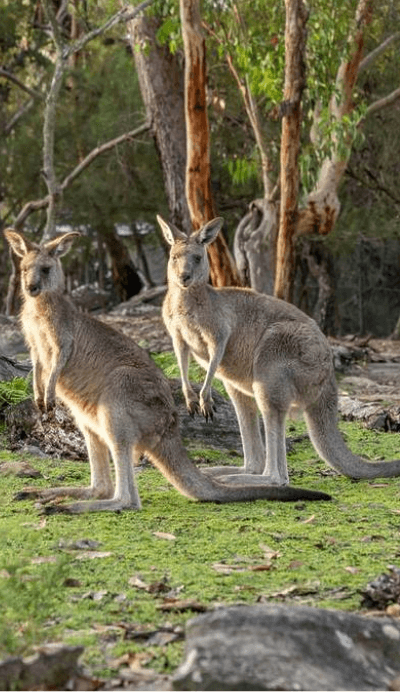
point(323, 554)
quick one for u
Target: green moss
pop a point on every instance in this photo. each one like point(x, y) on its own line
point(323, 554)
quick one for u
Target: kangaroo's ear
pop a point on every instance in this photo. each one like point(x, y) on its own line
point(209, 232)
point(170, 232)
point(59, 246)
point(19, 244)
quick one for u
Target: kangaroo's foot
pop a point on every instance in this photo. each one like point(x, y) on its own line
point(243, 478)
point(223, 471)
point(112, 505)
point(50, 494)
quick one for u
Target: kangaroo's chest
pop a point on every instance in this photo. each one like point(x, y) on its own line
point(186, 322)
point(39, 343)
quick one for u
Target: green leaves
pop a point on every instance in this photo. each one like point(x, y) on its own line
point(15, 391)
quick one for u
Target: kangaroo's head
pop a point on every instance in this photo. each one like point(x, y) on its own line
point(41, 269)
point(188, 261)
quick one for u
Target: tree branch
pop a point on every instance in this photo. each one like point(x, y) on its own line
point(101, 150)
point(122, 16)
point(376, 187)
point(19, 114)
point(49, 123)
point(36, 205)
point(12, 78)
point(252, 114)
point(384, 102)
point(374, 54)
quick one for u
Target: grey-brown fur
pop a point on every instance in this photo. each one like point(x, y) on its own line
point(120, 400)
point(268, 354)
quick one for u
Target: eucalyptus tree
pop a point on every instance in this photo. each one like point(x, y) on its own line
point(59, 78)
point(343, 41)
point(176, 106)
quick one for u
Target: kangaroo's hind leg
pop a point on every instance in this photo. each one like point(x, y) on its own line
point(101, 485)
point(253, 448)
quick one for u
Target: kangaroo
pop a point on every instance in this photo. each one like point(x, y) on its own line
point(268, 354)
point(120, 400)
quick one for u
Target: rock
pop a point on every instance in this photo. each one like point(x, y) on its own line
point(21, 469)
point(10, 368)
point(49, 669)
point(279, 647)
point(383, 590)
point(11, 340)
point(222, 433)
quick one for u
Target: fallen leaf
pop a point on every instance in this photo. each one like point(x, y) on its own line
point(270, 553)
point(43, 559)
point(154, 587)
point(165, 536)
point(134, 661)
point(94, 595)
point(138, 583)
point(295, 564)
point(41, 525)
point(160, 637)
point(174, 604)
point(260, 568)
point(222, 568)
point(309, 520)
point(92, 555)
point(352, 570)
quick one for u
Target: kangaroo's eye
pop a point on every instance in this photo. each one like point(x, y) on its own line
point(197, 259)
point(45, 271)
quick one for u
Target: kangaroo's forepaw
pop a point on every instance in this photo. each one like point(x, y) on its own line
point(40, 404)
point(193, 408)
point(208, 409)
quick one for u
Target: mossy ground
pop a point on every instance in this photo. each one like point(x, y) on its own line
point(319, 554)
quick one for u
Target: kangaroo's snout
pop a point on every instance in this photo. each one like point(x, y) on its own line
point(186, 279)
point(34, 289)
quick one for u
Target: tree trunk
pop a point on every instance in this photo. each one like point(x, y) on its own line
point(295, 45)
point(254, 246)
point(161, 84)
point(323, 206)
point(198, 176)
point(126, 280)
point(321, 267)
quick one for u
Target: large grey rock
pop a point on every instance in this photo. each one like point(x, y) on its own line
point(278, 647)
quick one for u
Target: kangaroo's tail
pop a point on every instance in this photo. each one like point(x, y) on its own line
point(321, 418)
point(170, 457)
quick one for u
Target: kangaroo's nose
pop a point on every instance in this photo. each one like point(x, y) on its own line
point(185, 278)
point(34, 289)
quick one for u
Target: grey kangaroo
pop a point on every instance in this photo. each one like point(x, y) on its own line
point(119, 398)
point(268, 354)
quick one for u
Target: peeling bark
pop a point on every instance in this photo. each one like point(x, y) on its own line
point(295, 45)
point(198, 176)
